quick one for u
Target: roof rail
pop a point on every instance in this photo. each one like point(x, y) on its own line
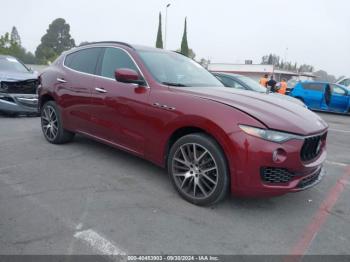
point(108, 42)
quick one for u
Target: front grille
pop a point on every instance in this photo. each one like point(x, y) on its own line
point(274, 175)
point(312, 147)
point(19, 87)
point(309, 180)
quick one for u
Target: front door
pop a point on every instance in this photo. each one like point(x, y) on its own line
point(340, 100)
point(119, 109)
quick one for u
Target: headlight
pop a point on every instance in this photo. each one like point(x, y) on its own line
point(274, 136)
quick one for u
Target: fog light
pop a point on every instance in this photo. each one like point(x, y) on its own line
point(279, 155)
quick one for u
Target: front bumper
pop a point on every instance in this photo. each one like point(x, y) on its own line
point(252, 155)
point(19, 103)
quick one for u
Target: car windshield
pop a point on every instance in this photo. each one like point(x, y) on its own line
point(253, 85)
point(12, 65)
point(174, 69)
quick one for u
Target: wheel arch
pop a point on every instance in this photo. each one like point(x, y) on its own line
point(192, 129)
point(45, 98)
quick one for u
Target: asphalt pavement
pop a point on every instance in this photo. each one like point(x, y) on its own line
point(88, 198)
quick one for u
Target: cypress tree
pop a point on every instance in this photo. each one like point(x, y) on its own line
point(15, 38)
point(184, 43)
point(159, 42)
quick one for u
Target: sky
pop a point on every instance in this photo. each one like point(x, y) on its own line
point(315, 32)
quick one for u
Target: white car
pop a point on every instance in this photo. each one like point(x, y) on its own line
point(344, 82)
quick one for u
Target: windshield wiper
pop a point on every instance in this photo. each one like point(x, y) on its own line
point(173, 84)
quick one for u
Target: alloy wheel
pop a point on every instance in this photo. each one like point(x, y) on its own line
point(195, 170)
point(49, 122)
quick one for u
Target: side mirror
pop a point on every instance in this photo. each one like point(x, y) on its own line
point(126, 75)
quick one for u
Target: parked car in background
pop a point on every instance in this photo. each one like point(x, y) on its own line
point(166, 108)
point(18, 87)
point(246, 83)
point(291, 84)
point(323, 96)
point(344, 82)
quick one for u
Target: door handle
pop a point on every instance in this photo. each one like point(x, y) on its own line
point(61, 80)
point(100, 90)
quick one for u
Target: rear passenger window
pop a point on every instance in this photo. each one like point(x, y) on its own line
point(313, 86)
point(115, 58)
point(84, 60)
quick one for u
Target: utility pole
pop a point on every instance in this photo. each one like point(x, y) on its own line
point(166, 24)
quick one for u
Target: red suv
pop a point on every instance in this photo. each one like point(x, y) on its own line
point(166, 108)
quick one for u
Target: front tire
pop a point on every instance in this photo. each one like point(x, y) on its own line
point(51, 124)
point(198, 169)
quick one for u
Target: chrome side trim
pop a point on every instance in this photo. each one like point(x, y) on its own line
point(61, 80)
point(109, 142)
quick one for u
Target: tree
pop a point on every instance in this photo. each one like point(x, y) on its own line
point(184, 43)
point(191, 53)
point(324, 76)
point(306, 68)
point(56, 40)
point(204, 62)
point(159, 42)
point(15, 38)
point(8, 46)
point(270, 59)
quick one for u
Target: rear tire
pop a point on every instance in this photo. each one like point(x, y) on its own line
point(51, 124)
point(198, 170)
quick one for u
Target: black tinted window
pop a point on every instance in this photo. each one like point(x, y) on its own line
point(115, 58)
point(313, 86)
point(84, 60)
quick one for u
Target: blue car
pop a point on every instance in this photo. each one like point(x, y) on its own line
point(323, 96)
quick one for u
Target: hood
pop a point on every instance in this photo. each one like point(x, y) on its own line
point(289, 98)
point(15, 76)
point(277, 114)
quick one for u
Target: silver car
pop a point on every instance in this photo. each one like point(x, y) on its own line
point(246, 83)
point(18, 87)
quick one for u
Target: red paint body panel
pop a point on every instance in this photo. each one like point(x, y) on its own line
point(141, 120)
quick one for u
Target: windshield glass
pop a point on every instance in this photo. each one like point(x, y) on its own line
point(176, 70)
point(252, 84)
point(12, 65)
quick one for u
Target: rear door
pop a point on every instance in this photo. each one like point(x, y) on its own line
point(119, 109)
point(313, 94)
point(76, 81)
point(339, 100)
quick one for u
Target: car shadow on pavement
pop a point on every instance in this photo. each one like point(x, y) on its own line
point(144, 170)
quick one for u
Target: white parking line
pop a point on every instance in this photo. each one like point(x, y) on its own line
point(336, 163)
point(90, 237)
point(99, 243)
point(339, 130)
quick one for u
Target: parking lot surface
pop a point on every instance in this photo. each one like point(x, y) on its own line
point(87, 198)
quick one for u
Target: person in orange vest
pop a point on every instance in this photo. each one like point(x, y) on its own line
point(283, 87)
point(263, 81)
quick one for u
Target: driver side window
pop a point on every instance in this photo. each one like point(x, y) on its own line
point(337, 90)
point(231, 83)
point(115, 58)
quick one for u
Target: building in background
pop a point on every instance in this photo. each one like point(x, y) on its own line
point(256, 71)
